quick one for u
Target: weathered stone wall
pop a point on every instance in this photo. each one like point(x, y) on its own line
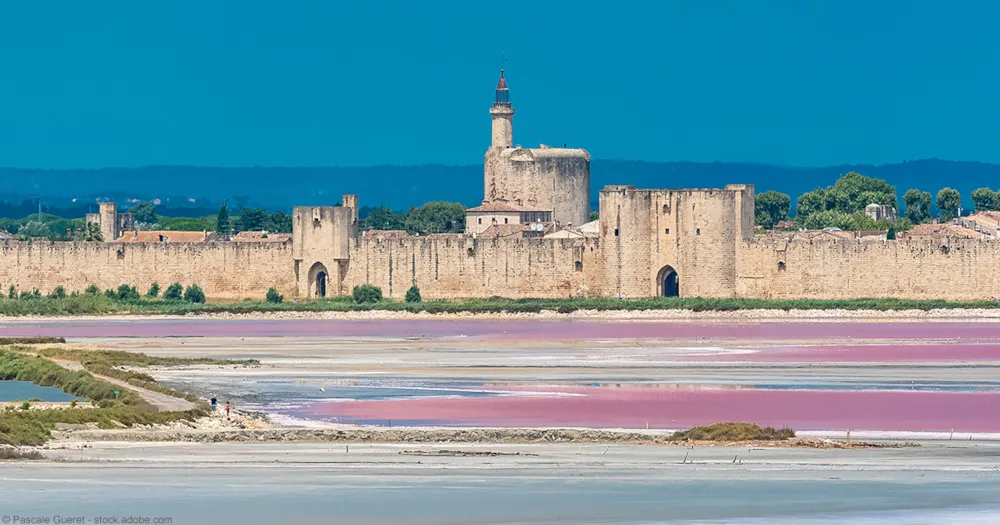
point(828, 268)
point(556, 179)
point(322, 238)
point(453, 266)
point(225, 270)
point(693, 232)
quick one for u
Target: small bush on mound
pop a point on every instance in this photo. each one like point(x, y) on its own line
point(154, 290)
point(273, 296)
point(193, 294)
point(733, 432)
point(174, 292)
point(58, 293)
point(413, 295)
point(110, 294)
point(92, 290)
point(12, 292)
point(367, 293)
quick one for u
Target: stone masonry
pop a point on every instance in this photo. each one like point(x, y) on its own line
point(687, 242)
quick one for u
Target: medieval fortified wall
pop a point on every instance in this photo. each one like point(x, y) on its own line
point(532, 239)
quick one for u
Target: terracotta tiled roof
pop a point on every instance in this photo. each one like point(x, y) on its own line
point(163, 236)
point(261, 236)
point(941, 231)
point(503, 230)
point(502, 206)
point(990, 218)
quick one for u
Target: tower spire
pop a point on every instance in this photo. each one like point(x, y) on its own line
point(502, 98)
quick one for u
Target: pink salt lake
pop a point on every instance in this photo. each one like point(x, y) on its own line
point(817, 344)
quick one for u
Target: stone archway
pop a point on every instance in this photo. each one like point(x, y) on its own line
point(668, 284)
point(319, 279)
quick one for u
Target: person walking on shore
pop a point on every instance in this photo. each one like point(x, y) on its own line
point(227, 409)
point(214, 402)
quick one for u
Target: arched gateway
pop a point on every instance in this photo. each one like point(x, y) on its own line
point(668, 284)
point(318, 277)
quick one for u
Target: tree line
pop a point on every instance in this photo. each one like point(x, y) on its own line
point(842, 205)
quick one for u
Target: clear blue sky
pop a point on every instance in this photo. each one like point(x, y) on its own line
point(332, 83)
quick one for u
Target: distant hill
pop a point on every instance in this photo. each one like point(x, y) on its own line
point(400, 187)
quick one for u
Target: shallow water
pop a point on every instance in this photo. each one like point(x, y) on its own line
point(25, 390)
point(306, 495)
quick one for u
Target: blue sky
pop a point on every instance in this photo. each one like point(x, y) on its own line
point(326, 83)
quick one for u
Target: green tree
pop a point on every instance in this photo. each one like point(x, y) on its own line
point(185, 224)
point(413, 295)
point(90, 232)
point(984, 199)
point(948, 203)
point(853, 191)
point(154, 290)
point(127, 293)
point(810, 203)
point(382, 218)
point(251, 219)
point(144, 212)
point(367, 293)
point(92, 290)
point(279, 222)
point(771, 207)
point(273, 296)
point(12, 292)
point(436, 217)
point(918, 205)
point(594, 215)
point(891, 234)
point(222, 224)
point(194, 294)
point(58, 293)
point(829, 219)
point(174, 292)
point(33, 230)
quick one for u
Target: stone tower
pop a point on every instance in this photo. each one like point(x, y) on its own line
point(543, 179)
point(503, 116)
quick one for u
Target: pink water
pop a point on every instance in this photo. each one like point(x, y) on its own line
point(977, 343)
point(502, 330)
point(667, 408)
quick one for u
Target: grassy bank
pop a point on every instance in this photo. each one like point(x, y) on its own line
point(117, 364)
point(34, 427)
point(97, 305)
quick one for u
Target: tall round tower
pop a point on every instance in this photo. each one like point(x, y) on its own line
point(503, 116)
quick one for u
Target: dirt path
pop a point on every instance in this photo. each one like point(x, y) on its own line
point(162, 402)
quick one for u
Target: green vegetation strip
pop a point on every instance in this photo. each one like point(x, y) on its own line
point(34, 427)
point(109, 362)
point(97, 305)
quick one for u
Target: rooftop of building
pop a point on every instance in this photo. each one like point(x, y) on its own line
point(940, 231)
point(544, 152)
point(504, 206)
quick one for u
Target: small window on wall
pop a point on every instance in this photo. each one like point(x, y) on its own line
point(697, 231)
point(781, 266)
point(666, 231)
point(505, 220)
point(616, 232)
point(480, 220)
point(579, 266)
